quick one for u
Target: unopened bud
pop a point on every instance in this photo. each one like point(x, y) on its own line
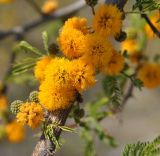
point(53, 49)
point(15, 106)
point(33, 97)
point(121, 36)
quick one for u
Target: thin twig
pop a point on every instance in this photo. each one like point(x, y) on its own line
point(93, 11)
point(154, 29)
point(130, 90)
point(128, 95)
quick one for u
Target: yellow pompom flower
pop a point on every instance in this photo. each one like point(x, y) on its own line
point(55, 98)
point(31, 114)
point(41, 66)
point(107, 20)
point(15, 132)
point(58, 72)
point(149, 74)
point(49, 6)
point(77, 23)
point(129, 45)
point(6, 1)
point(3, 103)
point(98, 51)
point(132, 48)
point(71, 42)
point(156, 23)
point(82, 75)
point(115, 65)
point(57, 92)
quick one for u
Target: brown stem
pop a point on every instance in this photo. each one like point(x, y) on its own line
point(130, 90)
point(93, 11)
point(154, 29)
point(44, 146)
point(152, 26)
point(128, 95)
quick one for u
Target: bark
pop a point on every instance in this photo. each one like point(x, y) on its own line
point(44, 146)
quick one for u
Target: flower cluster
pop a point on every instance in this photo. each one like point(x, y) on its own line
point(9, 128)
point(30, 114)
point(87, 50)
point(115, 65)
point(148, 69)
point(107, 20)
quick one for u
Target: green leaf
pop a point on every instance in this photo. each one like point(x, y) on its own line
point(45, 41)
point(112, 90)
point(138, 83)
point(125, 54)
point(147, 5)
point(103, 135)
point(97, 109)
point(22, 69)
point(89, 142)
point(49, 134)
point(143, 148)
point(26, 46)
point(67, 129)
point(24, 66)
point(24, 62)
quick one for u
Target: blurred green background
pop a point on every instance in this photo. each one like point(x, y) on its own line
point(139, 120)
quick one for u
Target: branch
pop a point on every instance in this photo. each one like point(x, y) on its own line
point(66, 11)
point(44, 146)
point(130, 90)
point(154, 29)
point(128, 95)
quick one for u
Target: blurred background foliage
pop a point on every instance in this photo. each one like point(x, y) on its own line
point(138, 121)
